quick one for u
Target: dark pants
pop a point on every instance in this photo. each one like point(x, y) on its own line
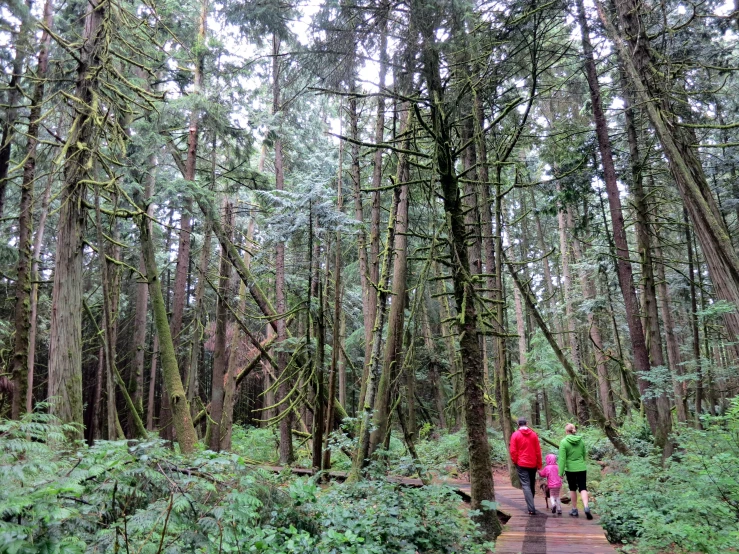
point(527, 476)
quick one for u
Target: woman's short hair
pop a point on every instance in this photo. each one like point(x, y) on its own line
point(570, 429)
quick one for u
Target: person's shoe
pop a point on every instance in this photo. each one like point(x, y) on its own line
point(533, 513)
point(559, 512)
point(574, 512)
point(554, 509)
point(588, 514)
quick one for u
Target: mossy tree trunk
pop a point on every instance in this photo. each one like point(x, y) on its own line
point(179, 408)
point(65, 345)
point(481, 477)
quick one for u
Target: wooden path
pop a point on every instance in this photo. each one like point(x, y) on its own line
point(544, 533)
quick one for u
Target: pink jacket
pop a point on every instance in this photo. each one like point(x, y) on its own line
point(551, 472)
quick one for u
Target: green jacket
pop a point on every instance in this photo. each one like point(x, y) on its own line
point(571, 454)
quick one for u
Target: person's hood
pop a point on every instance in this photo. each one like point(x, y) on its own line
point(551, 459)
point(525, 431)
point(573, 439)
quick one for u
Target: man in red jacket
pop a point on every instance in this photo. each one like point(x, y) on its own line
point(526, 455)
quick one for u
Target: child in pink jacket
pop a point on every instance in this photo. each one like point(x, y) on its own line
point(550, 472)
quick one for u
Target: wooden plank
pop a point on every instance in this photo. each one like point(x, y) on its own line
point(545, 533)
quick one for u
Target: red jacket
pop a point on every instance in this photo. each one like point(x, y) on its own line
point(525, 449)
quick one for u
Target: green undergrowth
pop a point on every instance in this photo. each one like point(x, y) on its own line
point(440, 452)
point(688, 504)
point(142, 497)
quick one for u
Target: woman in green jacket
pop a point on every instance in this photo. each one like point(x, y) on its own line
point(571, 461)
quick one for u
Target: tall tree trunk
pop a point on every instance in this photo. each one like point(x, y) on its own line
point(65, 346)
point(182, 270)
point(192, 375)
point(361, 456)
point(644, 240)
point(152, 381)
point(367, 289)
point(486, 226)
point(373, 260)
point(111, 293)
point(97, 395)
point(502, 390)
point(522, 350)
point(464, 292)
point(434, 375)
point(319, 422)
point(286, 444)
point(184, 429)
point(22, 364)
point(141, 310)
point(677, 143)
point(108, 322)
point(674, 358)
point(564, 248)
point(374, 239)
point(220, 352)
point(694, 324)
point(658, 417)
point(394, 340)
point(457, 407)
point(37, 244)
point(229, 398)
point(336, 339)
point(587, 283)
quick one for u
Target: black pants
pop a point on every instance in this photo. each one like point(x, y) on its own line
point(527, 476)
point(577, 480)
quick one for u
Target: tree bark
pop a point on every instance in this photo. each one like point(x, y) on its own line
point(65, 345)
point(658, 417)
point(24, 317)
point(677, 143)
point(674, 358)
point(142, 302)
point(394, 341)
point(564, 248)
point(587, 282)
point(502, 390)
point(229, 398)
point(37, 244)
point(433, 371)
point(336, 339)
point(694, 324)
point(184, 429)
point(220, 353)
point(464, 292)
point(374, 239)
point(152, 381)
point(286, 444)
point(361, 456)
point(367, 291)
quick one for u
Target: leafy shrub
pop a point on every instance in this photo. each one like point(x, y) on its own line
point(59, 497)
point(257, 444)
point(379, 517)
point(689, 505)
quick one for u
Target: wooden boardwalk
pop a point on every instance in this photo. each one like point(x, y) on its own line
point(544, 533)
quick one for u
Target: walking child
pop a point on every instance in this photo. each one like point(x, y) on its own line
point(550, 472)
